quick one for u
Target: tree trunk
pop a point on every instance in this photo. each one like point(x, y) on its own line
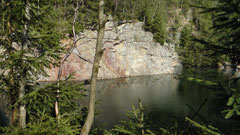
point(2, 4)
point(22, 108)
point(98, 53)
point(11, 81)
point(13, 115)
point(62, 62)
point(116, 7)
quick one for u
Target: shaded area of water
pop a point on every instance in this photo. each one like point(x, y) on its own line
point(164, 97)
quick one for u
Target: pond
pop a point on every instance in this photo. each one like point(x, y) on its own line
point(165, 97)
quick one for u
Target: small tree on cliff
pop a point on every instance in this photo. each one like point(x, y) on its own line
point(28, 46)
point(159, 28)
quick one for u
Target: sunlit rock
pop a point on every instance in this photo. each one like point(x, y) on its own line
point(128, 51)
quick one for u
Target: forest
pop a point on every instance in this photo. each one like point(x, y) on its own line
point(204, 34)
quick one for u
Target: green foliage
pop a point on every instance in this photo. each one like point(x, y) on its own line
point(27, 52)
point(204, 129)
point(191, 52)
point(43, 97)
point(186, 36)
point(45, 125)
point(226, 28)
point(232, 110)
point(136, 126)
point(139, 125)
point(154, 13)
point(156, 20)
point(185, 48)
point(234, 106)
point(89, 14)
point(151, 12)
point(29, 45)
point(64, 15)
point(173, 2)
point(157, 27)
point(203, 82)
point(40, 106)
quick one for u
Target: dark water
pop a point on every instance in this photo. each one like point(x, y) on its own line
point(165, 97)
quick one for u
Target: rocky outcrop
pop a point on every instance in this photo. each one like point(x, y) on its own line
point(128, 51)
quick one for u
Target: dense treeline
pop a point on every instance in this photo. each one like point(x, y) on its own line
point(166, 19)
point(204, 32)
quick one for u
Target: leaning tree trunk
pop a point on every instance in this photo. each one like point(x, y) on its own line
point(98, 53)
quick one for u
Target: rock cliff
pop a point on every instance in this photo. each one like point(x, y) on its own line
point(128, 51)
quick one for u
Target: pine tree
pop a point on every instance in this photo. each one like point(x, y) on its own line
point(159, 28)
point(28, 46)
point(226, 25)
point(193, 53)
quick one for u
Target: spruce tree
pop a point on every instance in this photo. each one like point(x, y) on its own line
point(28, 46)
point(159, 28)
point(226, 25)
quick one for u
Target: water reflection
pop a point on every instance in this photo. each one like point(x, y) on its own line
point(163, 95)
point(117, 95)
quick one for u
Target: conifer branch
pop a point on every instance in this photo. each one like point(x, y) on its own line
point(202, 127)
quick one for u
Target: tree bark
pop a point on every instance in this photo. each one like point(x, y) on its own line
point(11, 81)
point(2, 4)
point(22, 109)
point(62, 62)
point(116, 7)
point(98, 53)
point(22, 84)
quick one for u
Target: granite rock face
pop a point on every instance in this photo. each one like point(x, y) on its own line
point(128, 51)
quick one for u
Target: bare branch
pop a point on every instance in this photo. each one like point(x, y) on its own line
point(62, 62)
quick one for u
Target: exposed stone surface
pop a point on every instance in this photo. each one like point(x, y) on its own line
point(128, 51)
